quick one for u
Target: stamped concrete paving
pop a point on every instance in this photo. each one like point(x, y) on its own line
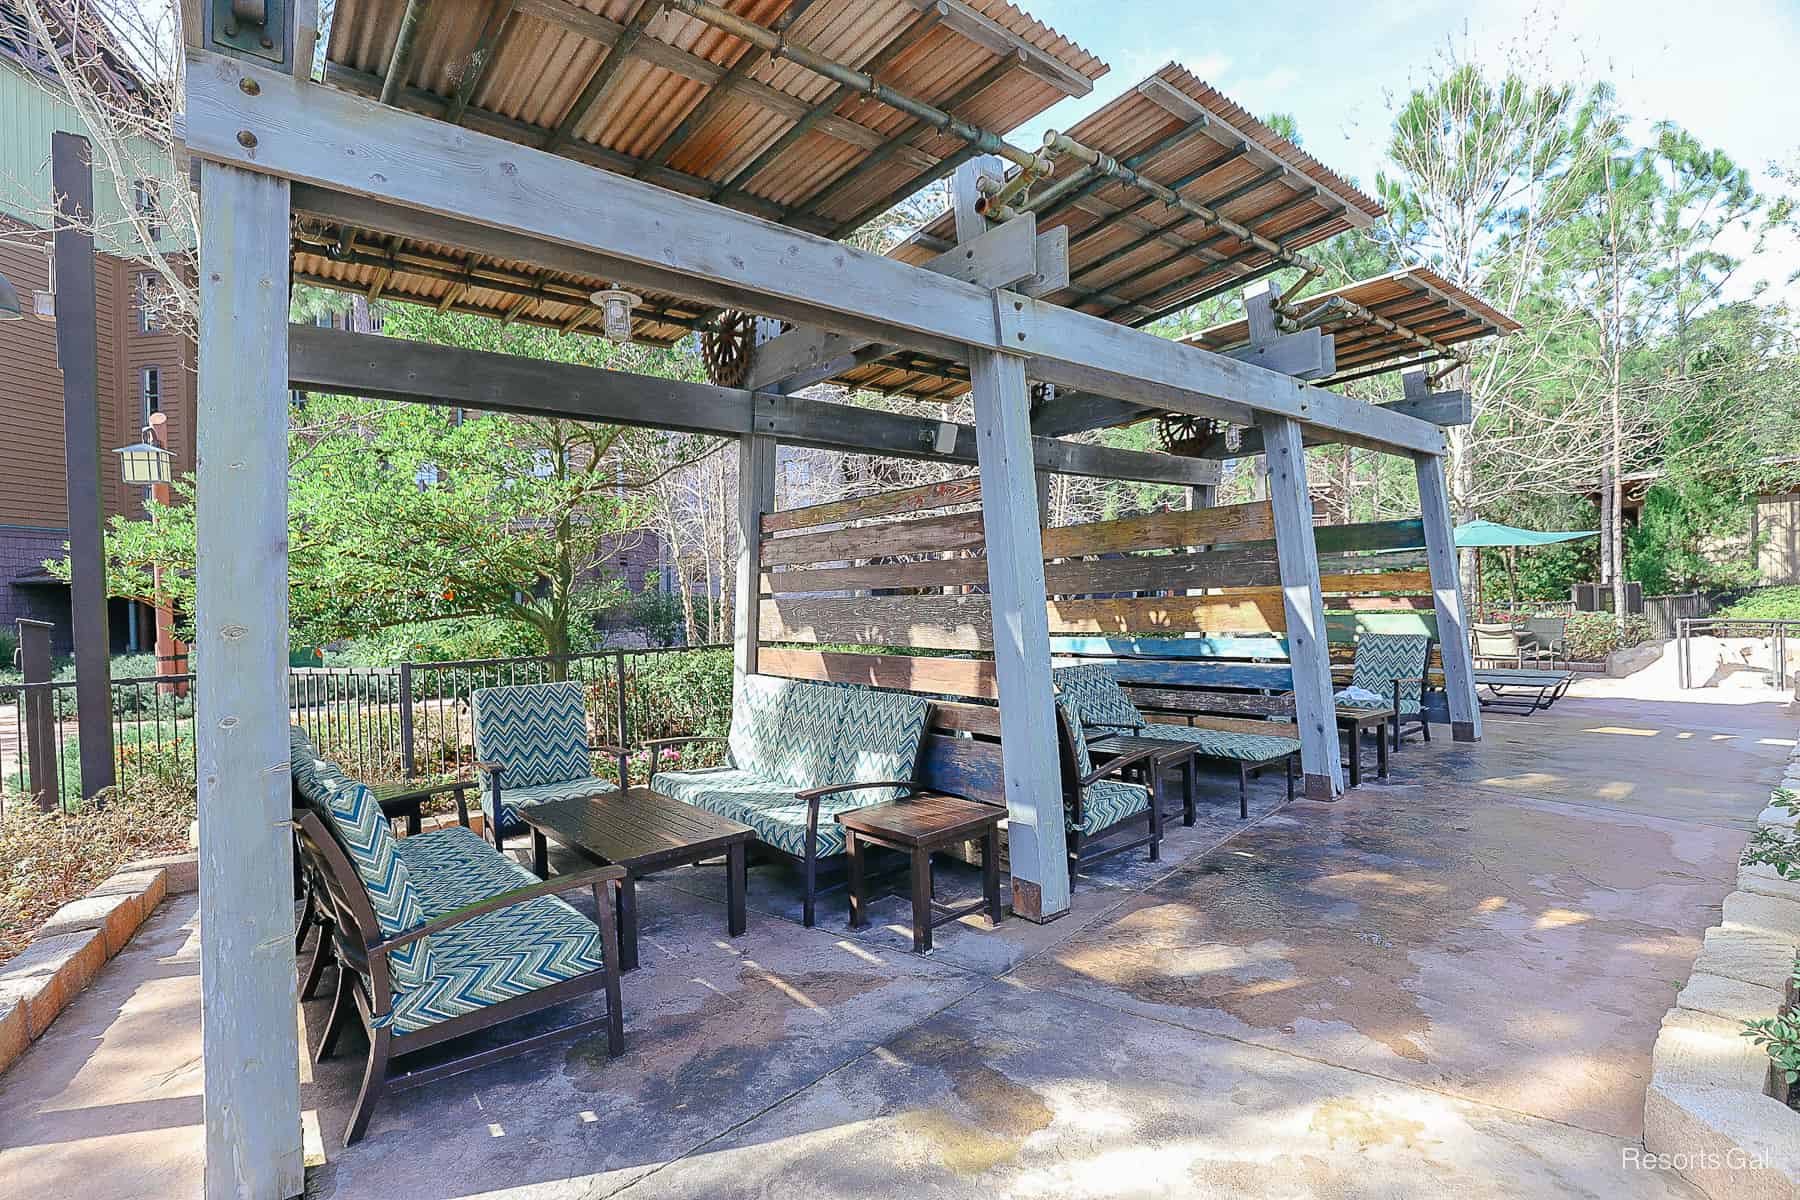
point(1447, 984)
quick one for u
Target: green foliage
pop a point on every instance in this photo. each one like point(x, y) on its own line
point(9, 646)
point(1674, 546)
point(1779, 1036)
point(657, 614)
point(1593, 636)
point(1766, 604)
point(680, 693)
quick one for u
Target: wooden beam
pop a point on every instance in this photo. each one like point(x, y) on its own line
point(250, 1041)
point(333, 139)
point(1018, 628)
point(475, 67)
point(904, 672)
point(1446, 587)
point(600, 83)
point(964, 622)
point(1308, 650)
point(756, 496)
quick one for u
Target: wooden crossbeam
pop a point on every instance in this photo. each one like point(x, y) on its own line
point(601, 82)
point(479, 58)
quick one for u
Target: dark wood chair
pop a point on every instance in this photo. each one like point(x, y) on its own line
point(366, 987)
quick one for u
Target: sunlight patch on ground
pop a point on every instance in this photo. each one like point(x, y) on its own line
point(1560, 918)
point(1615, 791)
point(1775, 741)
point(1623, 731)
point(1528, 779)
point(1491, 904)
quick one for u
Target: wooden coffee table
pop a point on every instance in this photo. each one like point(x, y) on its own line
point(1170, 754)
point(407, 799)
point(644, 832)
point(1353, 721)
point(918, 825)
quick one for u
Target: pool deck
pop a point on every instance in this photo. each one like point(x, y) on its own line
point(1447, 983)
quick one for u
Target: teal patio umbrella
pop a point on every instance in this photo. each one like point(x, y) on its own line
point(1480, 535)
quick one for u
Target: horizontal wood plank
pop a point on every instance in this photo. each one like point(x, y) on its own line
point(936, 622)
point(963, 767)
point(959, 571)
point(904, 500)
point(1164, 530)
point(1073, 577)
point(903, 672)
point(1405, 534)
point(1205, 648)
point(981, 720)
point(1206, 700)
point(959, 531)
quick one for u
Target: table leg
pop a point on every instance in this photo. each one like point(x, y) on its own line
point(412, 819)
point(1355, 755)
point(859, 916)
point(540, 854)
point(735, 920)
point(921, 896)
point(1381, 754)
point(1189, 789)
point(628, 924)
point(990, 873)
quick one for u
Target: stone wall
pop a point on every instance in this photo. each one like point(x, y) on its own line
point(22, 555)
point(1712, 1109)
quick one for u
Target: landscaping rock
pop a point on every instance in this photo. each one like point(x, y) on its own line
point(1633, 659)
point(1740, 1145)
point(49, 973)
point(115, 917)
point(1779, 817)
point(15, 1033)
point(1697, 1049)
point(1762, 914)
point(1763, 881)
point(181, 872)
point(1758, 958)
point(1731, 999)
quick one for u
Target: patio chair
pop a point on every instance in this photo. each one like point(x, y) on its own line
point(799, 754)
point(1100, 704)
point(1096, 800)
point(441, 935)
point(1393, 665)
point(1549, 639)
point(1497, 643)
point(531, 745)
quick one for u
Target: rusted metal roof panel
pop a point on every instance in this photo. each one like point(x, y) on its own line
point(1417, 300)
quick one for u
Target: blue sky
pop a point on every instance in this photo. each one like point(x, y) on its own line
point(1728, 71)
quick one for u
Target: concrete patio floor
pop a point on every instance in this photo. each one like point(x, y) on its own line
point(1447, 983)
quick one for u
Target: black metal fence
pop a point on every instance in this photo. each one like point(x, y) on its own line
point(408, 721)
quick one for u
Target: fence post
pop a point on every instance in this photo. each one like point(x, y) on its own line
point(406, 720)
point(623, 727)
point(38, 709)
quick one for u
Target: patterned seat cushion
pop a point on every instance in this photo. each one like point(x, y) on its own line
point(452, 867)
point(802, 748)
point(1381, 658)
point(756, 715)
point(496, 957)
point(313, 774)
point(366, 835)
point(538, 733)
point(1108, 802)
point(513, 799)
point(1220, 743)
point(878, 739)
point(1097, 697)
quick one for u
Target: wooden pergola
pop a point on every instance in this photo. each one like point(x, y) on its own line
point(510, 158)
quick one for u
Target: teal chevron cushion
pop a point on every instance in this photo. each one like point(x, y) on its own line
point(1098, 698)
point(1220, 743)
point(804, 741)
point(496, 957)
point(1110, 801)
point(453, 867)
point(312, 774)
point(878, 739)
point(1084, 763)
point(537, 732)
point(756, 715)
point(365, 833)
point(1382, 658)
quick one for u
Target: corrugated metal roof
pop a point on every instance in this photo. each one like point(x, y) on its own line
point(690, 108)
point(1132, 258)
point(1416, 299)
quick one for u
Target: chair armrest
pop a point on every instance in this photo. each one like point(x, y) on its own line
point(1114, 766)
point(489, 768)
point(547, 887)
point(814, 795)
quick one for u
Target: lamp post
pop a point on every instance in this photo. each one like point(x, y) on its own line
point(149, 464)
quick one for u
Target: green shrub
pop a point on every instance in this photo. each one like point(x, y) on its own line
point(1779, 1036)
point(1766, 604)
point(1593, 636)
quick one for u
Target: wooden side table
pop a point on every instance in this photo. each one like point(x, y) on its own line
point(918, 825)
point(406, 799)
point(1353, 721)
point(1169, 754)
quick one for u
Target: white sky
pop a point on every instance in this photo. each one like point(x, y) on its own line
point(1729, 71)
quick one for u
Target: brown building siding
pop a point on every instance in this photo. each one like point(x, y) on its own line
point(33, 483)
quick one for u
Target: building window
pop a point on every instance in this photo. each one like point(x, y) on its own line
point(147, 197)
point(151, 390)
point(146, 302)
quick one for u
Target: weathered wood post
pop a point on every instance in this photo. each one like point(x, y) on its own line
point(77, 356)
point(1446, 592)
point(1037, 845)
point(756, 496)
point(249, 1039)
point(1314, 707)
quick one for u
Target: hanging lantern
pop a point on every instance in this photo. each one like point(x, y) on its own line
point(145, 464)
point(615, 306)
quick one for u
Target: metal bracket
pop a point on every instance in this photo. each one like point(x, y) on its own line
point(253, 28)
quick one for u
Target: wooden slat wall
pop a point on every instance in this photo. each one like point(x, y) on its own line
point(970, 677)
